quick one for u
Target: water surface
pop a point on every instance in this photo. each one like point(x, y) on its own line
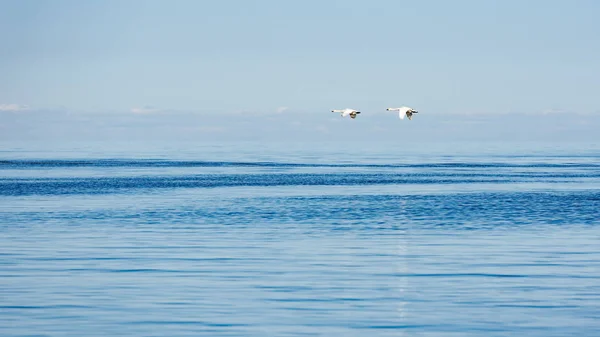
point(299, 240)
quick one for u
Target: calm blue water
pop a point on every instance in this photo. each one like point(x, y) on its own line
point(300, 240)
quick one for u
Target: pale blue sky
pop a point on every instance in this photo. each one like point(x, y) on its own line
point(209, 58)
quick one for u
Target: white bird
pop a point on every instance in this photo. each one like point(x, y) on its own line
point(347, 112)
point(404, 111)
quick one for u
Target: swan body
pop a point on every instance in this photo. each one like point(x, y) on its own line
point(404, 112)
point(347, 112)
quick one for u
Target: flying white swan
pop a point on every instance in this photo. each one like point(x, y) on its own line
point(404, 111)
point(347, 112)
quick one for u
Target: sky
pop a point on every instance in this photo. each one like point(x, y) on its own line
point(272, 70)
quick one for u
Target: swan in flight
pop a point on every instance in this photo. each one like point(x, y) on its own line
point(347, 112)
point(404, 111)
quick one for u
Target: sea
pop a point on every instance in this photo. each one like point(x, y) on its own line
point(300, 239)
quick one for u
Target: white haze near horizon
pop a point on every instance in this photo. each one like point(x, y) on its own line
point(295, 126)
